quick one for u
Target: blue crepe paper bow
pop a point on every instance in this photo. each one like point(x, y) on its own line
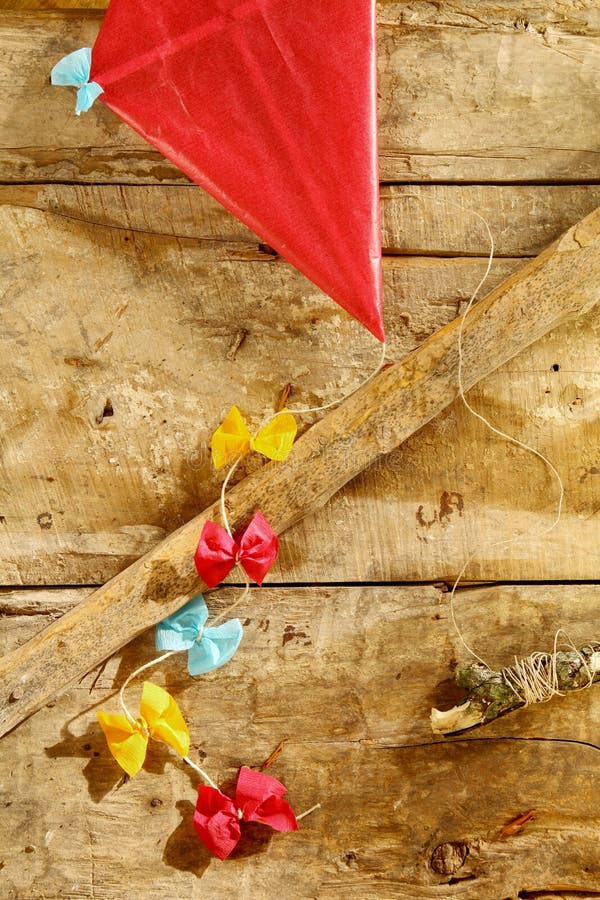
point(74, 70)
point(182, 630)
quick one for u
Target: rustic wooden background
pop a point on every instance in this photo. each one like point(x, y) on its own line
point(135, 311)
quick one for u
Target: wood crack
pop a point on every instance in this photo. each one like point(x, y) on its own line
point(369, 744)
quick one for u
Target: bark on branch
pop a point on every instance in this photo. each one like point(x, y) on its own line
point(561, 283)
point(490, 695)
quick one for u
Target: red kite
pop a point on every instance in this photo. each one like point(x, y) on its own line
point(270, 106)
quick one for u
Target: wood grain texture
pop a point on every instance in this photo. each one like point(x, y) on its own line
point(334, 672)
point(84, 330)
point(84, 493)
point(487, 122)
point(561, 283)
point(106, 318)
point(579, 17)
point(566, 16)
point(417, 220)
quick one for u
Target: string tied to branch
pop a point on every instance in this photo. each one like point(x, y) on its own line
point(536, 678)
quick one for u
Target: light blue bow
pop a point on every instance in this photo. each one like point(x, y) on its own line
point(208, 648)
point(74, 70)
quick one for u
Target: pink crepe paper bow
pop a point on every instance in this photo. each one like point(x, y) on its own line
point(258, 798)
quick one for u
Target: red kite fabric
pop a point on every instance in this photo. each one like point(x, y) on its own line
point(270, 106)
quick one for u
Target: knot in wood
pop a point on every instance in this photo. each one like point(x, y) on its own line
point(448, 858)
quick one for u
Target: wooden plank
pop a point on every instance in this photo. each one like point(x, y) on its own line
point(313, 668)
point(561, 283)
point(553, 16)
point(84, 493)
point(37, 5)
point(438, 220)
point(434, 220)
point(565, 16)
point(485, 118)
point(397, 639)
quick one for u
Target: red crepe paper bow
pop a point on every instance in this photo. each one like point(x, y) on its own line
point(217, 552)
point(258, 798)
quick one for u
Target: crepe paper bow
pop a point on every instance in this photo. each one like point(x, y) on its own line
point(232, 438)
point(208, 648)
point(217, 552)
point(258, 798)
point(160, 718)
point(74, 71)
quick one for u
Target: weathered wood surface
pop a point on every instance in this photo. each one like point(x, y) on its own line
point(507, 113)
point(561, 283)
point(498, 93)
point(565, 16)
point(84, 493)
point(417, 220)
point(336, 672)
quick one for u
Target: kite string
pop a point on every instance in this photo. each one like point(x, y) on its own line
point(515, 538)
point(315, 409)
point(246, 590)
point(227, 526)
point(204, 775)
point(535, 677)
point(134, 674)
point(297, 412)
point(136, 722)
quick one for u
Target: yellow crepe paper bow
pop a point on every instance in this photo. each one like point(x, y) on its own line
point(232, 438)
point(160, 718)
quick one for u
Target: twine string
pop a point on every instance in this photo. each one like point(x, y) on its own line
point(235, 603)
point(227, 527)
point(533, 679)
point(200, 772)
point(222, 497)
point(307, 812)
point(515, 538)
point(315, 409)
point(504, 436)
point(136, 723)
point(235, 464)
point(497, 431)
point(134, 674)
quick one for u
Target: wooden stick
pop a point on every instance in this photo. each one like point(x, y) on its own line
point(561, 283)
point(489, 694)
